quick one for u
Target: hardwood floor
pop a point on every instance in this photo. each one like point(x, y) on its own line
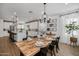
point(67, 50)
point(10, 49)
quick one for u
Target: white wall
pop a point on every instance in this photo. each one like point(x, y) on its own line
point(2, 26)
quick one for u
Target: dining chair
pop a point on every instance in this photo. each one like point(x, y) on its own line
point(51, 47)
point(57, 43)
point(43, 51)
point(54, 45)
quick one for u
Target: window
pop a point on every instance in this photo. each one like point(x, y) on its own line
point(68, 19)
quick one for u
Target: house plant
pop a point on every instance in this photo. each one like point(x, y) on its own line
point(70, 28)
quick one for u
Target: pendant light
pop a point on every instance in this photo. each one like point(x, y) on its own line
point(44, 16)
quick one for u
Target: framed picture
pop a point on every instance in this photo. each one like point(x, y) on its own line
point(54, 29)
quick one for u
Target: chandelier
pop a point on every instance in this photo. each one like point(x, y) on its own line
point(44, 15)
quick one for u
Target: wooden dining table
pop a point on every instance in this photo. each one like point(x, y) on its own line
point(29, 47)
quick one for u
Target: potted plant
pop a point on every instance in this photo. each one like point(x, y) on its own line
point(70, 30)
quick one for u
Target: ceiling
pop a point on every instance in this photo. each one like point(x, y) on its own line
point(29, 11)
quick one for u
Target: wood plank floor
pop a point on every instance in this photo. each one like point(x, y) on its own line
point(67, 50)
point(10, 49)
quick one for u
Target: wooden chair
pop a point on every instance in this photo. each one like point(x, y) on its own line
point(57, 43)
point(54, 43)
point(73, 41)
point(51, 49)
point(43, 51)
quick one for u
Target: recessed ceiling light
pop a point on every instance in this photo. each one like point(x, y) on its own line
point(30, 11)
point(66, 3)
